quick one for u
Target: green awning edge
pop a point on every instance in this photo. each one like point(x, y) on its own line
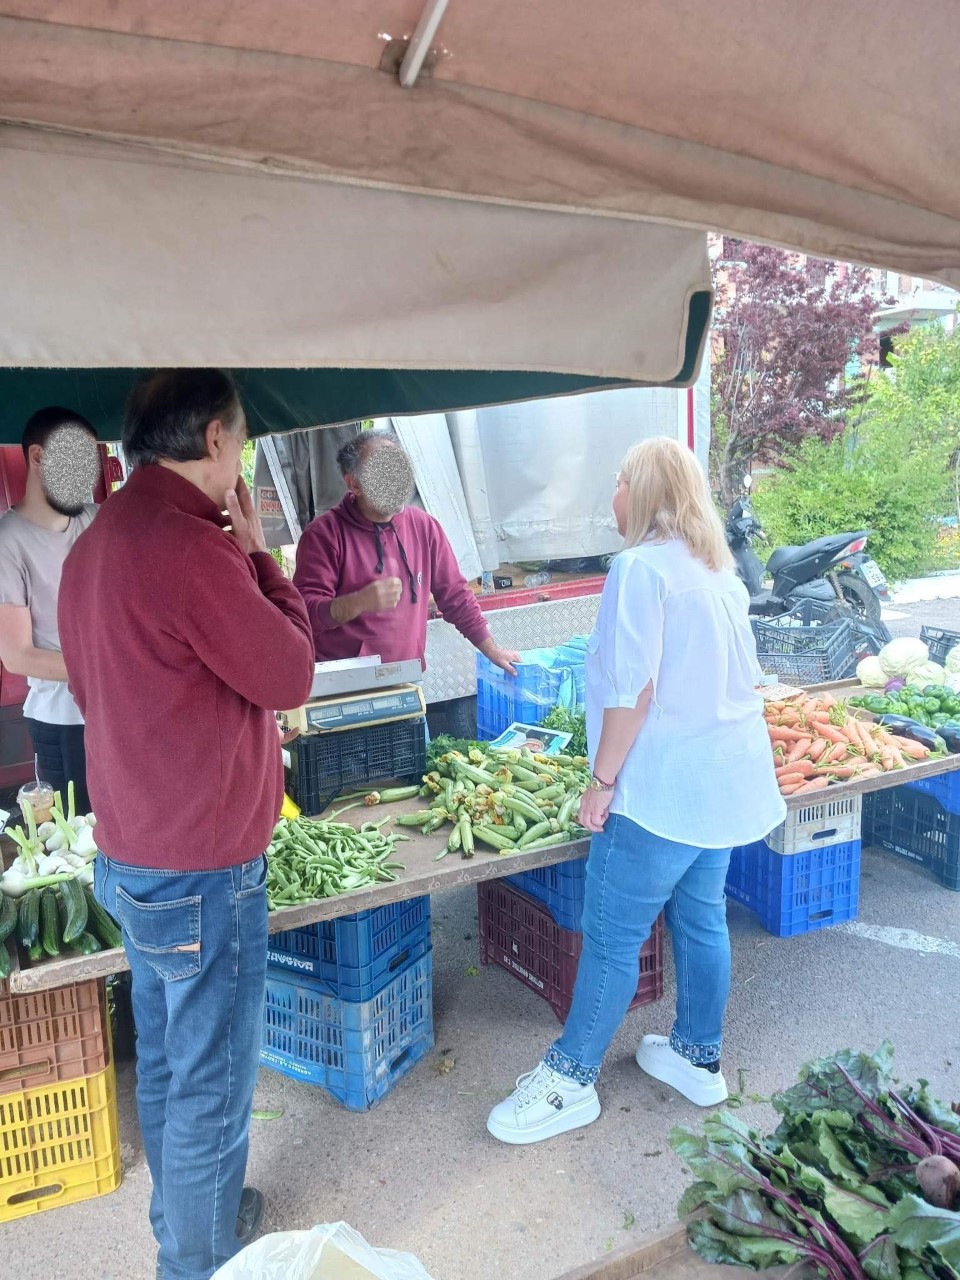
point(279, 400)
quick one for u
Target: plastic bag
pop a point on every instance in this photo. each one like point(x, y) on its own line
point(331, 1252)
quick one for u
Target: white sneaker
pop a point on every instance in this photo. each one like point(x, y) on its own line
point(543, 1105)
point(697, 1084)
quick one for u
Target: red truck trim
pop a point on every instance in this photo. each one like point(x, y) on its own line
point(516, 596)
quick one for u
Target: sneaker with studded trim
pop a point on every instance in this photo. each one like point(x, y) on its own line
point(700, 1085)
point(543, 1105)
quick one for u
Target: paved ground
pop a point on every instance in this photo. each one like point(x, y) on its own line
point(420, 1173)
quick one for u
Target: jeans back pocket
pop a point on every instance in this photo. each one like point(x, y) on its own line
point(165, 934)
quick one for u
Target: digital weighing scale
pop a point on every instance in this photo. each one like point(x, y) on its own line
point(358, 693)
point(335, 714)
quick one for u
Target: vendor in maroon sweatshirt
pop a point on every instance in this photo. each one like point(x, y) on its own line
point(367, 569)
point(181, 639)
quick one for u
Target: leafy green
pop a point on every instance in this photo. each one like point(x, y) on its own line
point(444, 744)
point(573, 722)
point(834, 1187)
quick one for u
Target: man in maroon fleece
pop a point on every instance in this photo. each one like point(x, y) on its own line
point(181, 639)
point(367, 569)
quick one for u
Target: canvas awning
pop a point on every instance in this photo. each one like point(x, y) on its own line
point(559, 131)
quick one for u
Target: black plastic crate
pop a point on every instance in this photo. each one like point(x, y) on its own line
point(323, 764)
point(914, 826)
point(939, 641)
point(805, 654)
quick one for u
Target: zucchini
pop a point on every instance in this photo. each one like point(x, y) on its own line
point(28, 917)
point(6, 964)
point(49, 923)
point(102, 923)
point(8, 916)
point(74, 910)
point(35, 952)
point(495, 838)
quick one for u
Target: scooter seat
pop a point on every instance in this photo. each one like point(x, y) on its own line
point(833, 544)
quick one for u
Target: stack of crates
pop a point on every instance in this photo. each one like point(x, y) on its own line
point(349, 1003)
point(920, 821)
point(807, 645)
point(59, 1138)
point(806, 874)
point(530, 925)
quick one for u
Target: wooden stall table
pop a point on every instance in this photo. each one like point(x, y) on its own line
point(421, 875)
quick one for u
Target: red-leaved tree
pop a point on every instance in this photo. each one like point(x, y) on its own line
point(784, 334)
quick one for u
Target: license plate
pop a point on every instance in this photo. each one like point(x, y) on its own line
point(873, 574)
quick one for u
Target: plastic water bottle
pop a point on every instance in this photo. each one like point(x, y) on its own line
point(538, 579)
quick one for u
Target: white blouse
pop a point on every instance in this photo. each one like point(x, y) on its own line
point(701, 770)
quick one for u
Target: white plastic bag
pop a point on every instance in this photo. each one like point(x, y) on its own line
point(331, 1252)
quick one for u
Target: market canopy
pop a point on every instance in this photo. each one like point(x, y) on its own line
point(248, 184)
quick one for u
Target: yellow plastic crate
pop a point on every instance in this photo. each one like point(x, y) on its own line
point(58, 1144)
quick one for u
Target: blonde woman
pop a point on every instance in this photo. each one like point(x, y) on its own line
point(682, 771)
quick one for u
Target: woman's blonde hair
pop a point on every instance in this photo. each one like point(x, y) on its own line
point(669, 499)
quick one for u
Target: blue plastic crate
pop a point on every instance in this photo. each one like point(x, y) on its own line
point(560, 889)
point(794, 893)
point(545, 678)
point(356, 1051)
point(944, 787)
point(915, 826)
point(355, 956)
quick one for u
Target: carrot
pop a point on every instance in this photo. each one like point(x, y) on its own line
point(833, 734)
point(799, 750)
point(815, 784)
point(839, 752)
point(789, 788)
point(786, 779)
point(817, 748)
point(806, 767)
point(841, 771)
point(779, 733)
point(915, 750)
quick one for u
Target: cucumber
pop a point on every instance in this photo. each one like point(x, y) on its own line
point(8, 916)
point(87, 944)
point(102, 924)
point(28, 917)
point(35, 952)
point(6, 963)
point(49, 923)
point(74, 910)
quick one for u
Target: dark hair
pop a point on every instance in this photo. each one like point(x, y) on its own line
point(350, 455)
point(45, 421)
point(168, 413)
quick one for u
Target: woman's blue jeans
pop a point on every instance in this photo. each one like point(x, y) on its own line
point(632, 876)
point(197, 946)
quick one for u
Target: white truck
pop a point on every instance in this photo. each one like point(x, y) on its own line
point(516, 485)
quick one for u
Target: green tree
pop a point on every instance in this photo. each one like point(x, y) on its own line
point(919, 400)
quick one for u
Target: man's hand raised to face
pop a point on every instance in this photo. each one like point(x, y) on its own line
point(244, 522)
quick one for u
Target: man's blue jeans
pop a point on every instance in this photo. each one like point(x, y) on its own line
point(631, 876)
point(197, 946)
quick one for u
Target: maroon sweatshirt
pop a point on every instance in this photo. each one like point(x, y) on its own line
point(179, 648)
point(342, 552)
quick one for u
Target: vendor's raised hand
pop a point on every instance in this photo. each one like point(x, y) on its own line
point(381, 595)
point(594, 808)
point(502, 658)
point(244, 522)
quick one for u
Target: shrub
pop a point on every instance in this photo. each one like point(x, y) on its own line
point(868, 480)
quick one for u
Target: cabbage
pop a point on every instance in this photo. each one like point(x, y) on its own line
point(952, 663)
point(870, 673)
point(952, 681)
point(927, 673)
point(900, 657)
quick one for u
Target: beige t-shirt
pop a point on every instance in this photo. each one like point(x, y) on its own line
point(31, 562)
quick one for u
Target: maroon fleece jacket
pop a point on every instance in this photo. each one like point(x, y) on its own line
point(342, 552)
point(179, 648)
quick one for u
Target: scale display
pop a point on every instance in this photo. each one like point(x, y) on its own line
point(332, 714)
